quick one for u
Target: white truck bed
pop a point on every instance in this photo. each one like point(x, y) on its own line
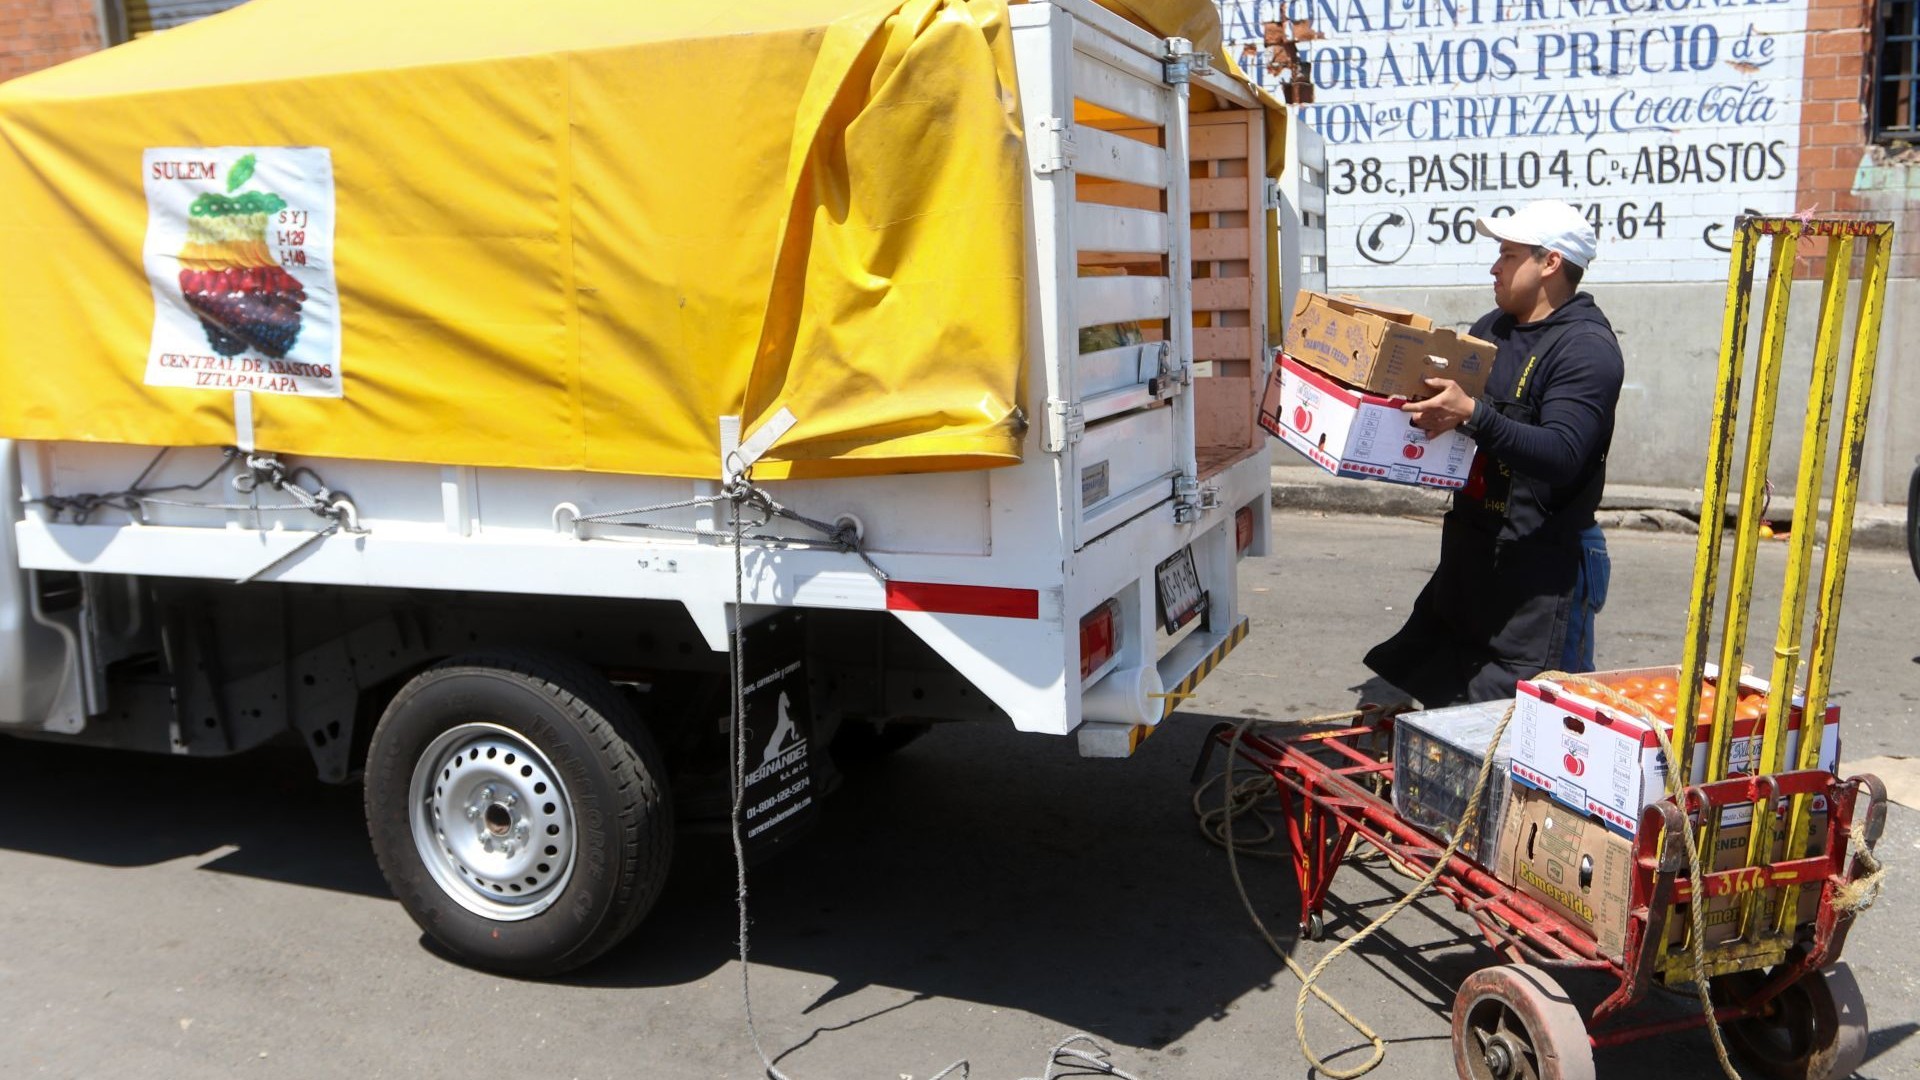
point(995, 570)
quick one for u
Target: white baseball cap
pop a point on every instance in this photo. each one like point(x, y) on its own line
point(1548, 223)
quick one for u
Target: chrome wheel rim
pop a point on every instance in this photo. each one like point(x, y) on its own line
point(491, 822)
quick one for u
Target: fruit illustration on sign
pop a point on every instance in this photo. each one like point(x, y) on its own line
point(1302, 419)
point(229, 277)
point(1575, 765)
point(1413, 451)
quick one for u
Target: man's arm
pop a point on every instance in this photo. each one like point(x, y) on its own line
point(1577, 397)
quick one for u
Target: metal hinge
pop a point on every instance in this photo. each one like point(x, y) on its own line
point(1183, 62)
point(1190, 499)
point(1170, 378)
point(1054, 136)
point(1066, 422)
point(1270, 195)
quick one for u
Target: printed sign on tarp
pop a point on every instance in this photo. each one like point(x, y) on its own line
point(1659, 120)
point(239, 254)
point(779, 732)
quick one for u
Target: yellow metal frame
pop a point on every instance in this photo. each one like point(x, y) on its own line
point(1764, 942)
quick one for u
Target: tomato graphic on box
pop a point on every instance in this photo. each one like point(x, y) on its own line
point(1575, 764)
point(1413, 451)
point(229, 277)
point(1302, 419)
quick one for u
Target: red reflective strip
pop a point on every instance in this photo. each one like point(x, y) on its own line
point(963, 599)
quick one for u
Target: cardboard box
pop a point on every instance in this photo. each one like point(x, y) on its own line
point(1608, 763)
point(1576, 866)
point(1730, 852)
point(1384, 349)
point(1569, 862)
point(1352, 433)
point(1437, 756)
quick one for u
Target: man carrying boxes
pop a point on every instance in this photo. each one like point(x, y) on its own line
point(1523, 567)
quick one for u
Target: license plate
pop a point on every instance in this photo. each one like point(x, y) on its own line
point(1177, 587)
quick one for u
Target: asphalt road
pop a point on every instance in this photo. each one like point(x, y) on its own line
point(983, 895)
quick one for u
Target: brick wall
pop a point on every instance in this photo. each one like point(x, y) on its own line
point(41, 33)
point(1834, 139)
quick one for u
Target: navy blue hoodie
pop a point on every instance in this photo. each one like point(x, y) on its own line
point(1544, 423)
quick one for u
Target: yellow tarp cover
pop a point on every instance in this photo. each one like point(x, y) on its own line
point(567, 235)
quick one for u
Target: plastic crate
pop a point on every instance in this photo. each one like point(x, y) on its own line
point(1436, 759)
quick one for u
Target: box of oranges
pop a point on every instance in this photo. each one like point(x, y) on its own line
point(1603, 759)
point(1357, 433)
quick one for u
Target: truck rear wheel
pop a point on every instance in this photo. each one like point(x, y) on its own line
point(518, 810)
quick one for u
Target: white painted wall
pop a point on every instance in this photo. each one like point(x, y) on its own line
point(1661, 119)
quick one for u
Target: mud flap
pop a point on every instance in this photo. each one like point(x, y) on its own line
point(782, 797)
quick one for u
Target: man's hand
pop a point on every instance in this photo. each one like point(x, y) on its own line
point(1448, 408)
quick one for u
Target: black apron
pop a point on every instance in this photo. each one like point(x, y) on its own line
point(1497, 607)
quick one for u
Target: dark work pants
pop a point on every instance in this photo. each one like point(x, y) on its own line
point(1494, 612)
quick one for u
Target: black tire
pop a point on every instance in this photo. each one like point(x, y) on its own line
point(1913, 520)
point(1816, 1029)
point(614, 810)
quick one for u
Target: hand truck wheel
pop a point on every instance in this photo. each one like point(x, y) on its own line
point(1313, 928)
point(1513, 1022)
point(1815, 1029)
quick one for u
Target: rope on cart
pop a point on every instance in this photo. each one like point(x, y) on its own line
point(1697, 905)
point(1245, 799)
point(1859, 894)
point(1238, 798)
point(742, 494)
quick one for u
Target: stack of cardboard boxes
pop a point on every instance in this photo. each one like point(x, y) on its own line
point(1348, 366)
point(1580, 771)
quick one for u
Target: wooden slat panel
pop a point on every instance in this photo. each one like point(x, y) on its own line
point(1103, 300)
point(1220, 244)
point(1223, 343)
point(1223, 194)
point(1115, 229)
point(1222, 294)
point(1125, 258)
point(1106, 193)
point(1113, 89)
point(1223, 411)
point(1215, 142)
point(1116, 157)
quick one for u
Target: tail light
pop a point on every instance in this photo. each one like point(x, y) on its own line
point(1243, 528)
point(1099, 638)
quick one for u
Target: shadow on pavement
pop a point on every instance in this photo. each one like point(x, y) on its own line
point(979, 864)
point(124, 809)
point(987, 866)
